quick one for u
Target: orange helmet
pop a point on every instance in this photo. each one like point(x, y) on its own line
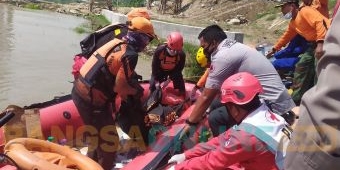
point(138, 12)
point(175, 41)
point(142, 25)
point(240, 88)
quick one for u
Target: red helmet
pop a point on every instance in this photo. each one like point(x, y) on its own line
point(240, 88)
point(175, 41)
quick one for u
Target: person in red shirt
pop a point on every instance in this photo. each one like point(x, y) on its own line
point(255, 142)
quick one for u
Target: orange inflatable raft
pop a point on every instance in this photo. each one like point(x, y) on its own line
point(35, 154)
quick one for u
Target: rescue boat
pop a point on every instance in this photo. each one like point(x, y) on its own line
point(58, 121)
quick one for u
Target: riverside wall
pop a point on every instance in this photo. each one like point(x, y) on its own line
point(162, 29)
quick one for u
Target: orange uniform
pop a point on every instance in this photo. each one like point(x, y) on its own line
point(309, 23)
point(321, 6)
point(203, 79)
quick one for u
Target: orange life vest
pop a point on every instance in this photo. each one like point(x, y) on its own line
point(168, 62)
point(97, 75)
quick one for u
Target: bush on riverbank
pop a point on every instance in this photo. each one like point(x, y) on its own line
point(96, 22)
point(32, 6)
point(192, 71)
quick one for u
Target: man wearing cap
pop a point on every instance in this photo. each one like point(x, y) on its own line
point(312, 25)
point(106, 74)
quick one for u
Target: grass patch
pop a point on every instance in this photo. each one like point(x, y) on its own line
point(260, 15)
point(32, 6)
point(96, 22)
point(271, 11)
point(80, 30)
point(279, 32)
point(271, 17)
point(331, 4)
point(192, 71)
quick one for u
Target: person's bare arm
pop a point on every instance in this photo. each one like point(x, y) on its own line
point(202, 103)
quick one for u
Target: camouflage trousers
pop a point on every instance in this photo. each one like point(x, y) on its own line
point(304, 75)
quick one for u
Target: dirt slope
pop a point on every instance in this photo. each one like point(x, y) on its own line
point(264, 22)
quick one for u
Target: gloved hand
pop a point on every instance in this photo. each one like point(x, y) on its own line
point(177, 158)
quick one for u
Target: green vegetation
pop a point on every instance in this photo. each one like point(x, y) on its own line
point(192, 70)
point(271, 17)
point(128, 3)
point(331, 4)
point(81, 30)
point(260, 15)
point(269, 12)
point(95, 22)
point(32, 6)
point(279, 32)
point(119, 3)
point(64, 1)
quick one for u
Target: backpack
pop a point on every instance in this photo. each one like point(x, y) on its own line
point(97, 39)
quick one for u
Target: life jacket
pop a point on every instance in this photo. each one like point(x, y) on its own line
point(270, 129)
point(97, 39)
point(168, 62)
point(97, 76)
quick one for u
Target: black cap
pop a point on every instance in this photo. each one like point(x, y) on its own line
point(282, 2)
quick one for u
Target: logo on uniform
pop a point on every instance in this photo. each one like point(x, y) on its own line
point(271, 117)
point(228, 43)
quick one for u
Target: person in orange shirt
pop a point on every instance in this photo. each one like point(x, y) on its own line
point(315, 140)
point(169, 61)
point(108, 73)
point(320, 5)
point(312, 25)
point(204, 62)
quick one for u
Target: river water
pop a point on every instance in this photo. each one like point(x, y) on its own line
point(36, 55)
